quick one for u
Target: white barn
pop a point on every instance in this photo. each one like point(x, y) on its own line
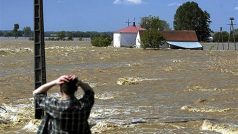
point(128, 37)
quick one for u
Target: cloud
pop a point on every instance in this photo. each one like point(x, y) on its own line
point(236, 8)
point(134, 2)
point(174, 4)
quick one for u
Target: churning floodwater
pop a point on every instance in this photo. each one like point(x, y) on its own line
point(136, 90)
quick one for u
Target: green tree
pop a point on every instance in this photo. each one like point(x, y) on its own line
point(8, 34)
point(101, 40)
point(61, 35)
point(236, 31)
point(190, 16)
point(1, 33)
point(70, 36)
point(151, 39)
point(15, 30)
point(153, 22)
point(27, 31)
point(236, 35)
point(221, 37)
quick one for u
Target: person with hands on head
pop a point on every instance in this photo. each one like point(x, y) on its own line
point(67, 115)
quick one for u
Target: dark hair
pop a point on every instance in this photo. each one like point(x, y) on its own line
point(70, 87)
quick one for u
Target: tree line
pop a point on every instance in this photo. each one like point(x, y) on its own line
point(54, 35)
point(26, 32)
point(225, 36)
point(188, 16)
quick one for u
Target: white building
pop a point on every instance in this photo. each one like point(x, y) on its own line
point(128, 37)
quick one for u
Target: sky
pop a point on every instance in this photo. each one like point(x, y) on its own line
point(107, 15)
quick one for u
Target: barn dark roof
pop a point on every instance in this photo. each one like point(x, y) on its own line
point(180, 36)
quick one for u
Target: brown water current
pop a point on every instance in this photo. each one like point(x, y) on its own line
point(137, 91)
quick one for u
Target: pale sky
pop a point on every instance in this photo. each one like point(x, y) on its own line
point(107, 15)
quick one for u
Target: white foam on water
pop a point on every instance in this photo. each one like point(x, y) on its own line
point(223, 128)
point(17, 50)
point(204, 109)
point(104, 96)
point(14, 113)
point(103, 126)
point(134, 80)
point(105, 112)
point(31, 126)
point(176, 61)
point(107, 118)
point(92, 84)
point(200, 88)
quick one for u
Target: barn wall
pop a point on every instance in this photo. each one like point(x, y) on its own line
point(138, 40)
point(128, 39)
point(116, 40)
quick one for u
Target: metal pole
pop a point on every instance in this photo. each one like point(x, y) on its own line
point(233, 33)
point(39, 51)
point(222, 39)
point(219, 38)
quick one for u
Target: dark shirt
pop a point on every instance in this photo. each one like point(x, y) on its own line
point(66, 116)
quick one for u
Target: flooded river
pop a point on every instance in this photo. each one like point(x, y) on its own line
point(137, 91)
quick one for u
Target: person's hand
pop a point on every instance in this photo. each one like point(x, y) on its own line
point(72, 77)
point(62, 79)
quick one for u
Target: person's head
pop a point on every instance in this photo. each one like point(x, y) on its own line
point(69, 88)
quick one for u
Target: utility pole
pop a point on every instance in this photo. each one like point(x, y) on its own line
point(39, 51)
point(232, 32)
point(221, 38)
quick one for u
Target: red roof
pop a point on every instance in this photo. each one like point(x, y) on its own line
point(185, 36)
point(131, 29)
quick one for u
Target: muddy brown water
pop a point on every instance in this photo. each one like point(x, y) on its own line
point(203, 80)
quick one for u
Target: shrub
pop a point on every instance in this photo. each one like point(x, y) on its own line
point(101, 41)
point(61, 35)
point(151, 39)
point(70, 38)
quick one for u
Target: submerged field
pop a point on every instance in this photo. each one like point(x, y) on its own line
point(137, 91)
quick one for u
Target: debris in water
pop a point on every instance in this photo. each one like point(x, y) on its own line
point(3, 110)
point(138, 121)
point(200, 101)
